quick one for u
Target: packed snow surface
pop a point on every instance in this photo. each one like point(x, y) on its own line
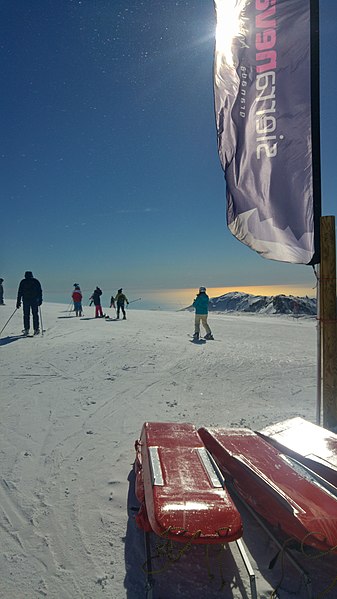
point(73, 402)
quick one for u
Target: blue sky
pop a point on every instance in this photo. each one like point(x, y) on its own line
point(110, 173)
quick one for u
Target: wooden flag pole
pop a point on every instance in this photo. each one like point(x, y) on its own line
point(327, 316)
point(319, 350)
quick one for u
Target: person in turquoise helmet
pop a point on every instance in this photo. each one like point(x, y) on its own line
point(200, 305)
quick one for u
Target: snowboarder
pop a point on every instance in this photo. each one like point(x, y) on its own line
point(2, 303)
point(120, 300)
point(77, 299)
point(30, 292)
point(96, 300)
point(201, 312)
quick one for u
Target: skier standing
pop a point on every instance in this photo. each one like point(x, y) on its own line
point(2, 303)
point(120, 300)
point(96, 300)
point(201, 312)
point(77, 299)
point(30, 292)
point(112, 302)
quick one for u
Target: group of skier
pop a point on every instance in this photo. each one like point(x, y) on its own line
point(30, 294)
point(118, 302)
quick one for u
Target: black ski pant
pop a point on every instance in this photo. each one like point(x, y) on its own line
point(119, 308)
point(30, 305)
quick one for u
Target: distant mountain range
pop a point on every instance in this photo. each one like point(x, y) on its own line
point(262, 304)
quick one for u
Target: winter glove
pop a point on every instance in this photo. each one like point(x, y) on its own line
point(18, 305)
point(39, 302)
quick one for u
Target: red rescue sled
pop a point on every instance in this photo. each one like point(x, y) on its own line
point(181, 495)
point(312, 445)
point(275, 486)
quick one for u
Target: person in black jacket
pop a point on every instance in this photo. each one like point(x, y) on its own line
point(2, 303)
point(120, 300)
point(96, 300)
point(30, 292)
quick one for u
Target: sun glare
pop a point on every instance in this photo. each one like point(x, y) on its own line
point(228, 26)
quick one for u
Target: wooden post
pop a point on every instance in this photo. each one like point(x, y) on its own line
point(328, 321)
point(319, 349)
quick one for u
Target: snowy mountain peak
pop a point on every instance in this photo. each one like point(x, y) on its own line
point(236, 301)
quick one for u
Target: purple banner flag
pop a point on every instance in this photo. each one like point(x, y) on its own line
point(264, 116)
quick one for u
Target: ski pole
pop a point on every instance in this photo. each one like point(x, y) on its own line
point(136, 300)
point(41, 320)
point(3, 328)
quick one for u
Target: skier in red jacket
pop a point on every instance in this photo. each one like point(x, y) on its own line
point(77, 299)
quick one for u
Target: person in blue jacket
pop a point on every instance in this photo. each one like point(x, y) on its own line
point(201, 312)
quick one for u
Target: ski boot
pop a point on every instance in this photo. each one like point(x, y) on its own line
point(25, 332)
point(195, 337)
point(209, 337)
point(36, 331)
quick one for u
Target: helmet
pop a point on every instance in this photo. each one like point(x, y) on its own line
point(120, 290)
point(28, 274)
point(202, 289)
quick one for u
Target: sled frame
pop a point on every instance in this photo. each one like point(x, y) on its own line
point(304, 575)
point(241, 549)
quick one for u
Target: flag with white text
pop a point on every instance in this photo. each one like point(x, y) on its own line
point(268, 131)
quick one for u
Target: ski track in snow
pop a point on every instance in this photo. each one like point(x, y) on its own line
point(73, 403)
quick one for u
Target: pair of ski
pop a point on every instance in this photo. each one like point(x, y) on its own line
point(108, 319)
point(23, 334)
point(200, 340)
